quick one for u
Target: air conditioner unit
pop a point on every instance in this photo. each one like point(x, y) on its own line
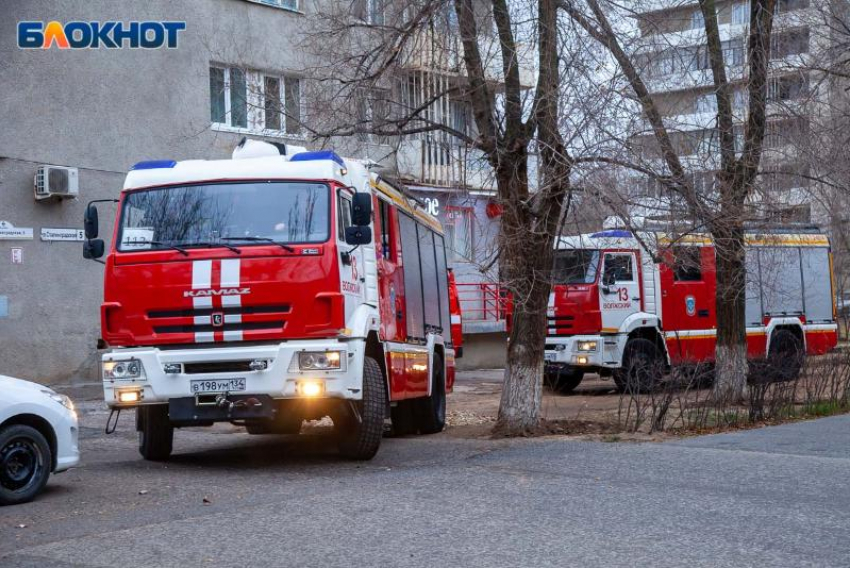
point(56, 182)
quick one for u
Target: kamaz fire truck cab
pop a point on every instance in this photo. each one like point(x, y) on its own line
point(278, 286)
point(618, 309)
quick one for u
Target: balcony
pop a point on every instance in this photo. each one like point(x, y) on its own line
point(444, 163)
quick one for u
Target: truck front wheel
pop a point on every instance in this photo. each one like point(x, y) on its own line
point(156, 434)
point(642, 367)
point(361, 426)
point(563, 382)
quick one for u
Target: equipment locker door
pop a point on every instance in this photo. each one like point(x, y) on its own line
point(688, 284)
point(619, 292)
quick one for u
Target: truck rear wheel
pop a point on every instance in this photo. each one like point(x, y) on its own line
point(642, 368)
point(360, 433)
point(156, 434)
point(431, 411)
point(785, 358)
point(563, 382)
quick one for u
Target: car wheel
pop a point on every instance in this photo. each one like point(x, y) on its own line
point(361, 428)
point(25, 463)
point(156, 434)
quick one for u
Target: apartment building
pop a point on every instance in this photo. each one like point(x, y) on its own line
point(673, 58)
point(237, 71)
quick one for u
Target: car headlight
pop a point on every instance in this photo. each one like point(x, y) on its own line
point(62, 399)
point(115, 370)
point(586, 346)
point(319, 360)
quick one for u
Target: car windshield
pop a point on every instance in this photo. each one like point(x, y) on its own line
point(575, 266)
point(233, 214)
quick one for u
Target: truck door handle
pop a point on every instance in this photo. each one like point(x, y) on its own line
point(636, 298)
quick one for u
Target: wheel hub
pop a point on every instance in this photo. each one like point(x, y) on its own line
point(19, 461)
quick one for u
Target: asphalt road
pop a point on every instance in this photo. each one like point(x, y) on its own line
point(771, 497)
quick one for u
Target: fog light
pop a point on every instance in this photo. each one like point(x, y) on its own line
point(172, 368)
point(581, 360)
point(128, 396)
point(310, 389)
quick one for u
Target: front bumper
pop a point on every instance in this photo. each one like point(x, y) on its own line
point(67, 430)
point(279, 380)
point(562, 352)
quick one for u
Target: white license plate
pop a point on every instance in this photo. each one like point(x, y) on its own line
point(217, 385)
point(548, 356)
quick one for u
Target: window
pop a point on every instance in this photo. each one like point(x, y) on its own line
point(795, 42)
point(370, 11)
point(697, 20)
point(459, 227)
point(413, 300)
point(243, 214)
point(290, 4)
point(783, 6)
point(733, 52)
point(343, 213)
point(687, 264)
point(787, 88)
point(255, 102)
point(706, 103)
point(575, 266)
point(741, 13)
point(620, 267)
point(386, 233)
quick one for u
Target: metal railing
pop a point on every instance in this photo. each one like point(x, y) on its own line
point(482, 301)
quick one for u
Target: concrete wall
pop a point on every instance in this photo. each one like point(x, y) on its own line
point(102, 111)
point(483, 351)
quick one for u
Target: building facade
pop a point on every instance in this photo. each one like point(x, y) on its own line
point(673, 58)
point(237, 71)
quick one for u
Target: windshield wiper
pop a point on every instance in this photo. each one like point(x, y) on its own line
point(161, 244)
point(211, 245)
point(258, 240)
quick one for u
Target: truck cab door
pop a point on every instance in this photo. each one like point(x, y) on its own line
point(619, 289)
point(352, 267)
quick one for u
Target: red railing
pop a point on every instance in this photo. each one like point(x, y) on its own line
point(482, 301)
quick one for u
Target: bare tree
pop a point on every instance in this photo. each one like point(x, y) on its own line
point(721, 212)
point(476, 53)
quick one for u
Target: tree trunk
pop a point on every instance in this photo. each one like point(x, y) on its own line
point(525, 262)
point(731, 348)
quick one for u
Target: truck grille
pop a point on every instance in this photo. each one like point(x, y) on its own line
point(560, 325)
point(216, 367)
point(259, 318)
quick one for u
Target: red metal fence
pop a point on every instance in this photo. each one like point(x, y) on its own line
point(482, 301)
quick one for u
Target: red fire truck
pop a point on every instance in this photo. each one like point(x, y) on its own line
point(278, 286)
point(617, 310)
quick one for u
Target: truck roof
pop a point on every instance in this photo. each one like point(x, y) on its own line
point(624, 239)
point(326, 166)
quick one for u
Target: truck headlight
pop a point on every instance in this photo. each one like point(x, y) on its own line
point(586, 346)
point(117, 370)
point(319, 360)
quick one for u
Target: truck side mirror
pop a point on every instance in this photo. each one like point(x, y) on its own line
point(358, 235)
point(93, 248)
point(361, 210)
point(90, 222)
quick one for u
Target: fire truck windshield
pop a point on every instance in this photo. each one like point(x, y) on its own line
point(225, 214)
point(575, 266)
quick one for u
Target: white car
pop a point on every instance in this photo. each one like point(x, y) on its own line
point(39, 434)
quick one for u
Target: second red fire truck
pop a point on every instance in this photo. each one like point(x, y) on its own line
point(614, 303)
point(278, 286)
